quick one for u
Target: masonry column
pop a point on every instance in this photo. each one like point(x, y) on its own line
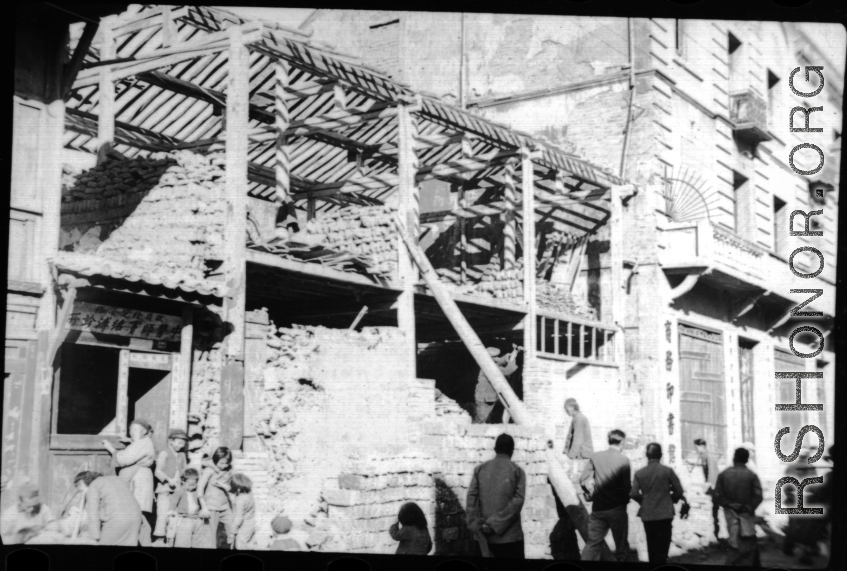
point(408, 210)
point(237, 125)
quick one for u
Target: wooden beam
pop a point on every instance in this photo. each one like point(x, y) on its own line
point(311, 270)
point(106, 103)
point(529, 250)
point(509, 222)
point(181, 374)
point(73, 67)
point(234, 304)
point(408, 209)
point(283, 195)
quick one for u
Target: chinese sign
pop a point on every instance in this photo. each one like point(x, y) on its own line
point(125, 322)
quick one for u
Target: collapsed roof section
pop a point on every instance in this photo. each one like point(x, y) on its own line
point(170, 70)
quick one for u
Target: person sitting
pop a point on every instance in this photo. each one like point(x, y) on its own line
point(281, 528)
point(414, 536)
point(29, 520)
point(114, 516)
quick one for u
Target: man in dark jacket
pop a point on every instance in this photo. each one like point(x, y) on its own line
point(739, 492)
point(657, 489)
point(495, 498)
point(607, 482)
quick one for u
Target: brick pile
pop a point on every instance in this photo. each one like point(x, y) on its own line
point(366, 232)
point(558, 298)
point(114, 177)
point(502, 284)
point(179, 224)
point(449, 409)
point(205, 403)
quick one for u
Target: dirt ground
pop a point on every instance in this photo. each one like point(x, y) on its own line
point(770, 553)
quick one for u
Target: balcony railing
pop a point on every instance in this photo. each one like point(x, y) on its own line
point(749, 114)
point(578, 340)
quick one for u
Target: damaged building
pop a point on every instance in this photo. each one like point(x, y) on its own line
point(696, 113)
point(283, 250)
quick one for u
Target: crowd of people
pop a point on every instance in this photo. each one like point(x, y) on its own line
point(208, 508)
point(214, 507)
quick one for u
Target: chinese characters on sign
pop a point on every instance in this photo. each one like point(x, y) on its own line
point(97, 318)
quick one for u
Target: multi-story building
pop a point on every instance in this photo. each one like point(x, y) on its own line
point(697, 113)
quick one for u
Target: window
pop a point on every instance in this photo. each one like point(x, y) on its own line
point(737, 81)
point(780, 227)
point(786, 394)
point(742, 195)
point(746, 388)
point(774, 99)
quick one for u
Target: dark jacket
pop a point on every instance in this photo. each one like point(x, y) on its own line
point(657, 489)
point(607, 478)
point(578, 444)
point(413, 540)
point(738, 485)
point(496, 495)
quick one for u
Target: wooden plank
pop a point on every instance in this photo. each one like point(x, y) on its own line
point(570, 359)
point(72, 67)
point(106, 94)
point(570, 338)
point(509, 223)
point(155, 361)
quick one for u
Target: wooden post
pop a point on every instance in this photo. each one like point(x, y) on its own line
point(181, 373)
point(463, 239)
point(408, 210)
point(106, 94)
point(123, 399)
point(509, 223)
point(529, 252)
point(616, 277)
point(232, 373)
point(556, 344)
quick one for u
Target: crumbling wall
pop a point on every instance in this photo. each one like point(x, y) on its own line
point(204, 422)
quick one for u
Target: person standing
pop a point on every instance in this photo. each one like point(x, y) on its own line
point(215, 501)
point(485, 396)
point(135, 462)
point(739, 492)
point(709, 463)
point(578, 445)
point(495, 499)
point(170, 465)
point(114, 516)
point(607, 482)
point(243, 511)
point(656, 488)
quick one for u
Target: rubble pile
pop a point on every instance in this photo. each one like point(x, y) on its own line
point(502, 284)
point(205, 404)
point(366, 232)
point(179, 224)
point(449, 409)
point(115, 177)
point(557, 297)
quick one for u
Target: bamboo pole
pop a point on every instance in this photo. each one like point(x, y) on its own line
point(529, 251)
point(106, 104)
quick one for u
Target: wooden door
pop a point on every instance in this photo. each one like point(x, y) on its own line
point(149, 393)
point(702, 387)
point(745, 377)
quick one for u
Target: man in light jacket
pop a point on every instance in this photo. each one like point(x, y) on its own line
point(607, 481)
point(495, 499)
point(656, 488)
point(739, 492)
point(578, 445)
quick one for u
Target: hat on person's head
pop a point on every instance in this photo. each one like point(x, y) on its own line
point(142, 423)
point(493, 351)
point(28, 494)
point(178, 433)
point(699, 442)
point(281, 524)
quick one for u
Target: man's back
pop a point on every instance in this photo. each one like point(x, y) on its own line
point(658, 488)
point(496, 495)
point(740, 485)
point(114, 496)
point(612, 479)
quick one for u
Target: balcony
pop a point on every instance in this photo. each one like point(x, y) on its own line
point(749, 114)
point(703, 250)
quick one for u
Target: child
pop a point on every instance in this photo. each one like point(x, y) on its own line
point(215, 502)
point(280, 526)
point(185, 528)
point(244, 510)
point(170, 464)
point(413, 536)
